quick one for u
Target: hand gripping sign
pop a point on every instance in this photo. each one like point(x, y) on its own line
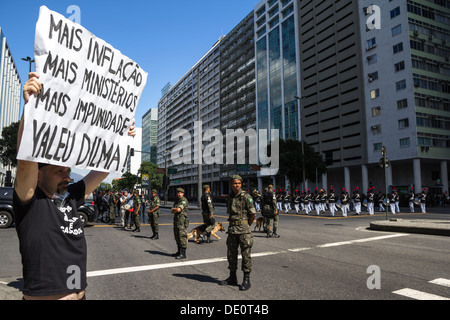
point(87, 102)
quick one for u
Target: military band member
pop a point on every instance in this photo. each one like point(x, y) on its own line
point(153, 214)
point(279, 197)
point(370, 201)
point(345, 198)
point(208, 211)
point(357, 200)
point(332, 198)
point(411, 198)
point(317, 202)
point(307, 201)
point(297, 201)
point(380, 199)
point(423, 200)
point(287, 201)
point(241, 211)
point(323, 200)
point(180, 223)
point(392, 198)
point(397, 201)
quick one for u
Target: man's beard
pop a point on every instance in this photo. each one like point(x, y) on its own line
point(62, 187)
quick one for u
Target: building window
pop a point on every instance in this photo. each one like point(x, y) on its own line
point(400, 85)
point(374, 93)
point(373, 76)
point(396, 30)
point(398, 47)
point(399, 66)
point(376, 111)
point(395, 12)
point(371, 43)
point(401, 104)
point(376, 129)
point(372, 59)
point(404, 143)
point(377, 146)
point(403, 123)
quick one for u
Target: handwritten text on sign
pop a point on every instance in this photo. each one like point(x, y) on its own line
point(88, 100)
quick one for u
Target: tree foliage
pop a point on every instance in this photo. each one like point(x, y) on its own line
point(8, 145)
point(291, 162)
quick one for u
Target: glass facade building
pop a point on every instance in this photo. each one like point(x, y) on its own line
point(276, 67)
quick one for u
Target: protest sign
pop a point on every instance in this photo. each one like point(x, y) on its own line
point(88, 100)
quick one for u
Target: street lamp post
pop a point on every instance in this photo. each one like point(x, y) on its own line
point(30, 61)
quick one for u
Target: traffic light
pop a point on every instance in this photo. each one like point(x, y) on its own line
point(132, 152)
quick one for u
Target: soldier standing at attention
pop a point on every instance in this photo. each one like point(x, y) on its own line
point(241, 211)
point(208, 212)
point(180, 223)
point(153, 214)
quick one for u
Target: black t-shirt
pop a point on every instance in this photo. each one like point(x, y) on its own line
point(52, 243)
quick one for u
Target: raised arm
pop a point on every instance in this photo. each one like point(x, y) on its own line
point(27, 171)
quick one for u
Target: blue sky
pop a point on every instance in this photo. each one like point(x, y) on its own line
point(166, 38)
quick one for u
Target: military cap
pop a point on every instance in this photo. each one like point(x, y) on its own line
point(154, 190)
point(235, 176)
point(180, 190)
point(206, 186)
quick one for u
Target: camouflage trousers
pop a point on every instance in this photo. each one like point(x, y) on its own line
point(271, 220)
point(153, 219)
point(180, 223)
point(234, 241)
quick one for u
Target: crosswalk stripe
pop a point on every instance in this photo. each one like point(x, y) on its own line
point(418, 295)
point(441, 282)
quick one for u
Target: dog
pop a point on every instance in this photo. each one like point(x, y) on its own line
point(197, 232)
point(259, 224)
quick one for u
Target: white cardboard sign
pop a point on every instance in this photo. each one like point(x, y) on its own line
point(88, 101)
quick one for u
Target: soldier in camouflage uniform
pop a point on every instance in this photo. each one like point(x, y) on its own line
point(135, 213)
point(180, 223)
point(270, 212)
point(153, 214)
point(241, 211)
point(208, 212)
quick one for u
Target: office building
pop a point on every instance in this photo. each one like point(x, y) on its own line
point(10, 92)
point(150, 135)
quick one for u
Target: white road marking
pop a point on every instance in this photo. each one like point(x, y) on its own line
point(418, 295)
point(222, 259)
point(441, 282)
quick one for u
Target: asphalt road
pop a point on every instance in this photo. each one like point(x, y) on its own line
point(316, 258)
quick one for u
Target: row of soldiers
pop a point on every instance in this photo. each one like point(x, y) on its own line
point(320, 201)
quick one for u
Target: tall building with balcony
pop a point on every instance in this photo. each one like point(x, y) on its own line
point(406, 73)
point(150, 135)
point(348, 87)
point(10, 92)
point(237, 95)
point(191, 100)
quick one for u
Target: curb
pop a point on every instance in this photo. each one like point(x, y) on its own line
point(431, 227)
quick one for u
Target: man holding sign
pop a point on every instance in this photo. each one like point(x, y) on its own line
point(52, 131)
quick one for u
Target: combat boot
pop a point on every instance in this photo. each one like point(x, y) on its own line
point(176, 254)
point(246, 283)
point(230, 281)
point(155, 236)
point(275, 235)
point(182, 254)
